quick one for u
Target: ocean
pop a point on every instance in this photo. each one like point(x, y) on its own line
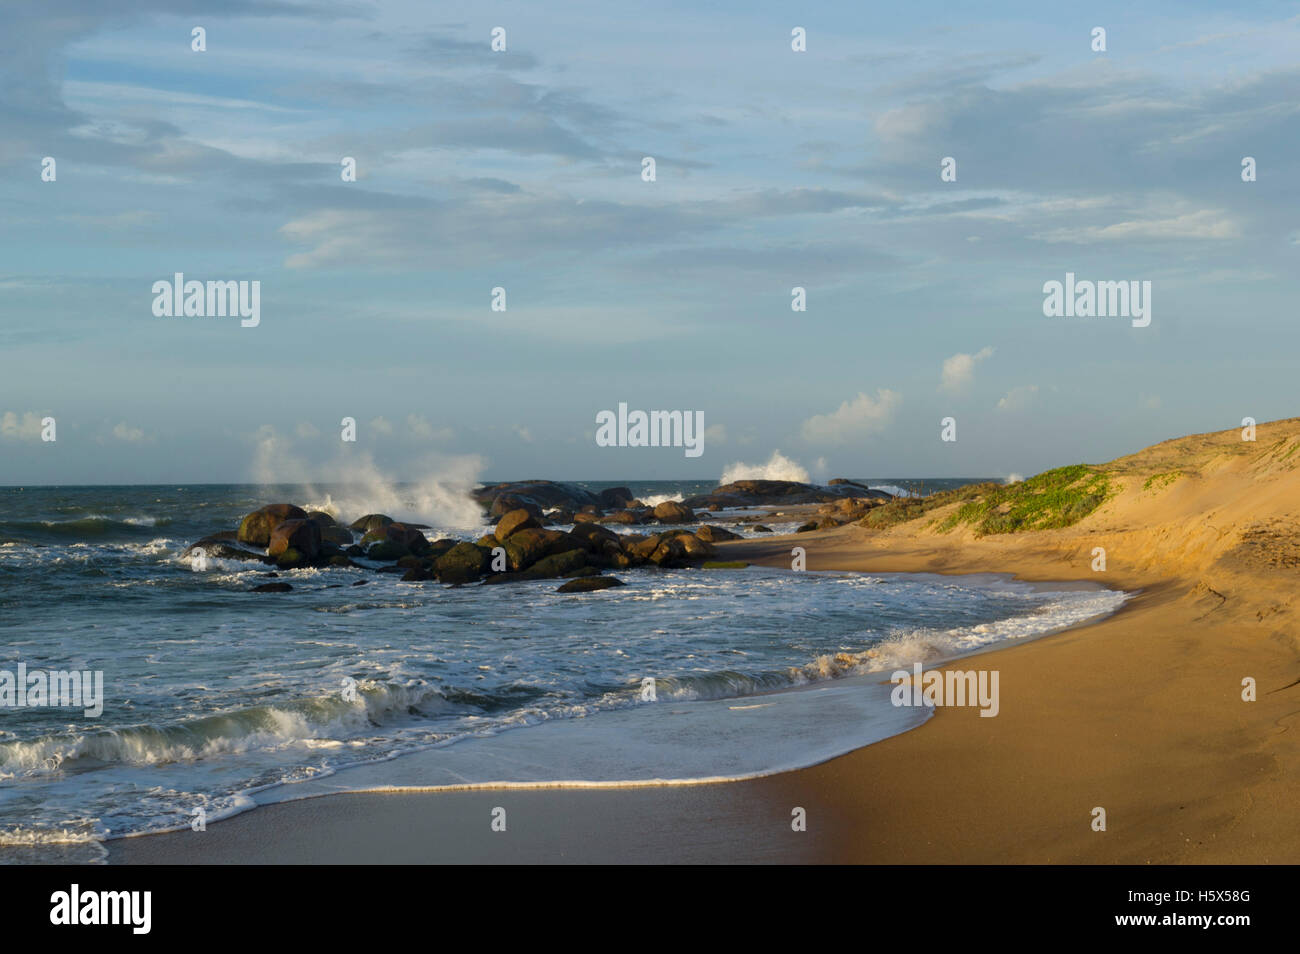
point(217, 699)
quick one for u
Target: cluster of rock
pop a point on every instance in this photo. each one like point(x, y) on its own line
point(568, 503)
point(557, 502)
point(767, 493)
point(519, 548)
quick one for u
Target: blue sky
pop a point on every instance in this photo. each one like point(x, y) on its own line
point(522, 170)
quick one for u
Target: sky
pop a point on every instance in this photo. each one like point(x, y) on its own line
point(522, 169)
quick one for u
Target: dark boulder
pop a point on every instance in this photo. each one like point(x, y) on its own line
point(514, 521)
point(371, 521)
point(670, 511)
point(463, 562)
point(760, 493)
point(300, 535)
point(588, 584)
point(272, 588)
point(221, 546)
point(542, 494)
point(616, 498)
point(715, 534)
point(257, 527)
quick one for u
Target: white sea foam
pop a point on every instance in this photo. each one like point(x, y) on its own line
point(778, 467)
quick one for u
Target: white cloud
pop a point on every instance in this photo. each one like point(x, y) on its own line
point(125, 432)
point(1017, 399)
point(959, 370)
point(307, 430)
point(419, 425)
point(1205, 224)
point(382, 425)
point(854, 419)
point(25, 428)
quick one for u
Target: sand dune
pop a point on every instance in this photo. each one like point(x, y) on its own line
point(1141, 714)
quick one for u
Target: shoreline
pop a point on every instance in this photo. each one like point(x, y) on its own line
point(331, 827)
point(1176, 715)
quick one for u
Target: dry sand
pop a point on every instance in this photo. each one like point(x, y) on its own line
point(1141, 714)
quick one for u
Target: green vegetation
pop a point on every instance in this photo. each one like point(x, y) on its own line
point(1054, 499)
point(1161, 481)
point(902, 509)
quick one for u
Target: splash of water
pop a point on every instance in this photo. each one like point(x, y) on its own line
point(353, 484)
point(778, 467)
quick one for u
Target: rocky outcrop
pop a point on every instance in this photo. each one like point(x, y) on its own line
point(766, 493)
point(670, 511)
point(222, 546)
point(514, 521)
point(295, 543)
point(371, 521)
point(463, 563)
point(714, 534)
point(393, 541)
point(588, 584)
point(616, 498)
point(257, 527)
point(542, 495)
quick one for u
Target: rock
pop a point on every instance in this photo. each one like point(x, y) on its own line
point(759, 528)
point(400, 538)
point(615, 498)
point(506, 502)
point(588, 584)
point(300, 535)
point(514, 521)
point(371, 521)
point(681, 550)
point(724, 565)
point(488, 540)
point(559, 564)
point(543, 494)
point(291, 558)
point(339, 536)
point(256, 528)
point(810, 525)
point(645, 546)
point(219, 546)
point(596, 535)
point(627, 516)
point(272, 588)
point(715, 534)
point(385, 551)
point(462, 563)
point(760, 493)
point(416, 574)
point(670, 511)
point(585, 517)
point(526, 547)
point(321, 519)
point(560, 516)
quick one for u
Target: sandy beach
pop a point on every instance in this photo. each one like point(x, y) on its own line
point(1140, 714)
